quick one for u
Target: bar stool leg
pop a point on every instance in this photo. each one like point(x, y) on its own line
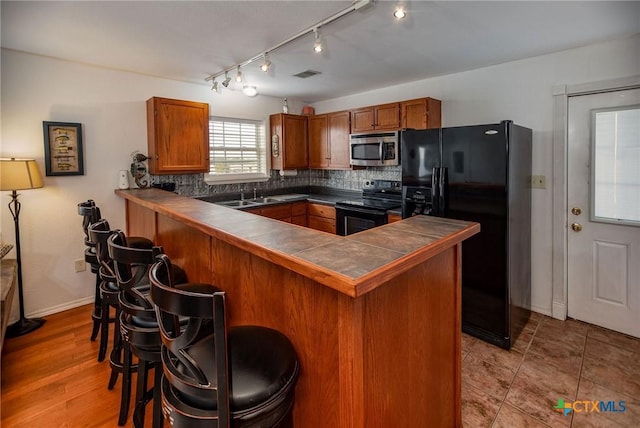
point(158, 417)
point(104, 329)
point(125, 397)
point(141, 394)
point(97, 311)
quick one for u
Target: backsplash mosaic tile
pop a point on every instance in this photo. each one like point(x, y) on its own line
point(194, 185)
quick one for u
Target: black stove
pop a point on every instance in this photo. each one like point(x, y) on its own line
point(355, 215)
point(381, 195)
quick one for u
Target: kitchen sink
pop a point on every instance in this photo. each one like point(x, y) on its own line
point(237, 203)
point(291, 196)
point(259, 201)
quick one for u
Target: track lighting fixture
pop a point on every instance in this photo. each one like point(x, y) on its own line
point(226, 80)
point(265, 63)
point(399, 12)
point(214, 86)
point(317, 46)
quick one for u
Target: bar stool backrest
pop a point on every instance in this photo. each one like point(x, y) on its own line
point(98, 232)
point(90, 214)
point(173, 304)
point(131, 267)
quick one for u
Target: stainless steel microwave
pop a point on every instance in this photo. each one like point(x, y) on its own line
point(374, 149)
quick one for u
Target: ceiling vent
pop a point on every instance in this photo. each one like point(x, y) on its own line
point(306, 73)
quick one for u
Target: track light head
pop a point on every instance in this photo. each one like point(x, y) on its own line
point(266, 63)
point(214, 86)
point(317, 46)
point(226, 80)
point(238, 75)
point(399, 12)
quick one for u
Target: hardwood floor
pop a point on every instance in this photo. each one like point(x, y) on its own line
point(51, 377)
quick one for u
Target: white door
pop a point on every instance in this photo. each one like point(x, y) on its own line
point(603, 215)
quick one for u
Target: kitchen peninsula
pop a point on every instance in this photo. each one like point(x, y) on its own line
point(374, 316)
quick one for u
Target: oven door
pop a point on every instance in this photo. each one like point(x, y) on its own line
point(355, 219)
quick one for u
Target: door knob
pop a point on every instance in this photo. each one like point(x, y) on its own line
point(576, 211)
point(576, 227)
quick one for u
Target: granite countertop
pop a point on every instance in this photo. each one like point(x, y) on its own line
point(353, 264)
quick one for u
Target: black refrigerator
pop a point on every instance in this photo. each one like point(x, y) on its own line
point(479, 173)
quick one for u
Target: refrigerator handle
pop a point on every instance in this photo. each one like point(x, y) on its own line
point(439, 191)
point(435, 191)
point(443, 196)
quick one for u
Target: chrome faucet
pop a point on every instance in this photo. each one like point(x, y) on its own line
point(254, 194)
point(242, 193)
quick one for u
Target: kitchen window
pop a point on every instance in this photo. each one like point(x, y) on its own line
point(237, 151)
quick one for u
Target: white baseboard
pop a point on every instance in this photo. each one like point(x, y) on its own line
point(541, 310)
point(55, 309)
point(559, 311)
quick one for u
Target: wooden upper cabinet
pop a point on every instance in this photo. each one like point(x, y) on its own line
point(387, 116)
point(363, 119)
point(318, 142)
point(382, 117)
point(177, 136)
point(421, 113)
point(329, 140)
point(288, 141)
point(339, 125)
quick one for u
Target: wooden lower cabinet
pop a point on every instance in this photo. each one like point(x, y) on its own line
point(321, 217)
point(316, 216)
point(278, 212)
point(393, 217)
point(295, 213)
point(299, 213)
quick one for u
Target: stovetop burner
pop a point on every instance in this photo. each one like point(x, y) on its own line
point(382, 196)
point(371, 203)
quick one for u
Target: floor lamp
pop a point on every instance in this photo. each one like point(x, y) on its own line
point(20, 174)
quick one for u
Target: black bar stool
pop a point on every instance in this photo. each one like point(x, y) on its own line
point(90, 214)
point(138, 324)
point(244, 376)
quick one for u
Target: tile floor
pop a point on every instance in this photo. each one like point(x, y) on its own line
point(551, 360)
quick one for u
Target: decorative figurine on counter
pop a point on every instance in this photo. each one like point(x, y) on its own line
point(139, 169)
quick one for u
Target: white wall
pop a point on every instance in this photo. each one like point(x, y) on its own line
point(111, 107)
point(520, 91)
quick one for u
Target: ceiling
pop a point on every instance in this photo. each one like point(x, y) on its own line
point(365, 50)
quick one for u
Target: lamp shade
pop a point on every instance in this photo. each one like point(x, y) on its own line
point(19, 174)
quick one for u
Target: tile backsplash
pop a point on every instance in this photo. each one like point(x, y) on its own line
point(194, 184)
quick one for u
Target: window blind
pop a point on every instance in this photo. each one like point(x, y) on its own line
point(237, 150)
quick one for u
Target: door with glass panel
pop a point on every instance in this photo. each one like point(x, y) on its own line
point(603, 213)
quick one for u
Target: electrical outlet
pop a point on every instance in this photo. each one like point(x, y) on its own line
point(80, 265)
point(538, 182)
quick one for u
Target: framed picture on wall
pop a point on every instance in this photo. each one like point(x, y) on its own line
point(63, 148)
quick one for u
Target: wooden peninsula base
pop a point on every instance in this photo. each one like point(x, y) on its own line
point(375, 323)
